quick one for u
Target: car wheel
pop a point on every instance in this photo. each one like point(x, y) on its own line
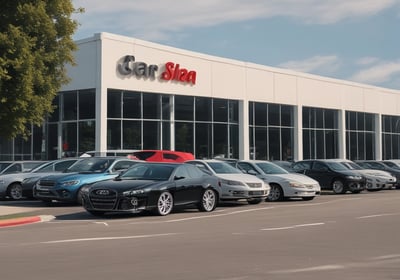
point(338, 186)
point(96, 213)
point(276, 193)
point(79, 198)
point(208, 201)
point(165, 203)
point(308, 198)
point(254, 200)
point(15, 191)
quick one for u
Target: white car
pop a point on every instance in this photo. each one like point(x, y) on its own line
point(283, 184)
point(11, 184)
point(235, 185)
point(375, 179)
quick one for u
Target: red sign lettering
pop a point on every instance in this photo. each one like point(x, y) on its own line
point(174, 72)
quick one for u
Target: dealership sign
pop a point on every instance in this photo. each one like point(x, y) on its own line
point(172, 71)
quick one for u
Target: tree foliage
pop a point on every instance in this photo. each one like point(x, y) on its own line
point(35, 46)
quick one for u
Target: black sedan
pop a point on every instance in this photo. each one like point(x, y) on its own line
point(157, 187)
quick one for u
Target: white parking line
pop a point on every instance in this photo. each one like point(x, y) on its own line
point(293, 227)
point(378, 215)
point(107, 238)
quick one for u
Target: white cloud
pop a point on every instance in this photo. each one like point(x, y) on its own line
point(320, 64)
point(367, 60)
point(153, 18)
point(379, 73)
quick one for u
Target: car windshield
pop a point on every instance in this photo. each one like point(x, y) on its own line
point(95, 165)
point(270, 168)
point(337, 166)
point(4, 165)
point(223, 168)
point(148, 172)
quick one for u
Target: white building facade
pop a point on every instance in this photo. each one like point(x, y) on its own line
point(129, 94)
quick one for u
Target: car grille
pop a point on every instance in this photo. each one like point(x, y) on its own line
point(103, 201)
point(47, 183)
point(310, 186)
point(254, 185)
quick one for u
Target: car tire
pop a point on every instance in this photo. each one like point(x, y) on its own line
point(208, 201)
point(308, 198)
point(276, 193)
point(14, 191)
point(79, 198)
point(254, 201)
point(338, 186)
point(165, 204)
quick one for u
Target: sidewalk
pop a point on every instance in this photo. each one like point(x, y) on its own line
point(13, 216)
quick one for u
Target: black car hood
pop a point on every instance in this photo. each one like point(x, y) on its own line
point(125, 185)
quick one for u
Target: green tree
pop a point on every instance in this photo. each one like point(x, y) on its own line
point(35, 46)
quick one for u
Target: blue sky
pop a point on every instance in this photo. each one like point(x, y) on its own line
point(355, 40)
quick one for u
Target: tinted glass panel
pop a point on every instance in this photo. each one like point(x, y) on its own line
point(87, 104)
point(114, 104)
point(184, 108)
point(220, 107)
point(132, 105)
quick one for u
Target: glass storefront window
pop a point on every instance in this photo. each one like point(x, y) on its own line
point(114, 135)
point(221, 141)
point(132, 135)
point(151, 135)
point(184, 136)
point(184, 108)
point(203, 109)
point(70, 106)
point(220, 110)
point(320, 133)
point(87, 136)
point(151, 106)
point(114, 104)
point(273, 136)
point(87, 104)
point(69, 139)
point(132, 105)
point(203, 140)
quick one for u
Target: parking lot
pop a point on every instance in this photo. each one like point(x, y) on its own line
point(352, 236)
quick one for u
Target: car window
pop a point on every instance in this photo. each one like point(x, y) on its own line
point(14, 168)
point(246, 167)
point(181, 173)
point(306, 165)
point(4, 165)
point(319, 166)
point(201, 166)
point(270, 168)
point(337, 166)
point(122, 165)
point(194, 171)
point(170, 156)
point(223, 168)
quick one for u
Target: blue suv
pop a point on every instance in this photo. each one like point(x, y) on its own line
point(66, 186)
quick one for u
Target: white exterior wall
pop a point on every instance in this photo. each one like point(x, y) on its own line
point(97, 60)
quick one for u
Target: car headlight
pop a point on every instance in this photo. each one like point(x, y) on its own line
point(353, 177)
point(70, 183)
point(232, 183)
point(133, 192)
point(296, 185)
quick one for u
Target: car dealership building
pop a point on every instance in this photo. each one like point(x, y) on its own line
point(129, 94)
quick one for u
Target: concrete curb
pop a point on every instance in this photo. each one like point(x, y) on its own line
point(25, 220)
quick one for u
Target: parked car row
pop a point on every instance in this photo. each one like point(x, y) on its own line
point(130, 185)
